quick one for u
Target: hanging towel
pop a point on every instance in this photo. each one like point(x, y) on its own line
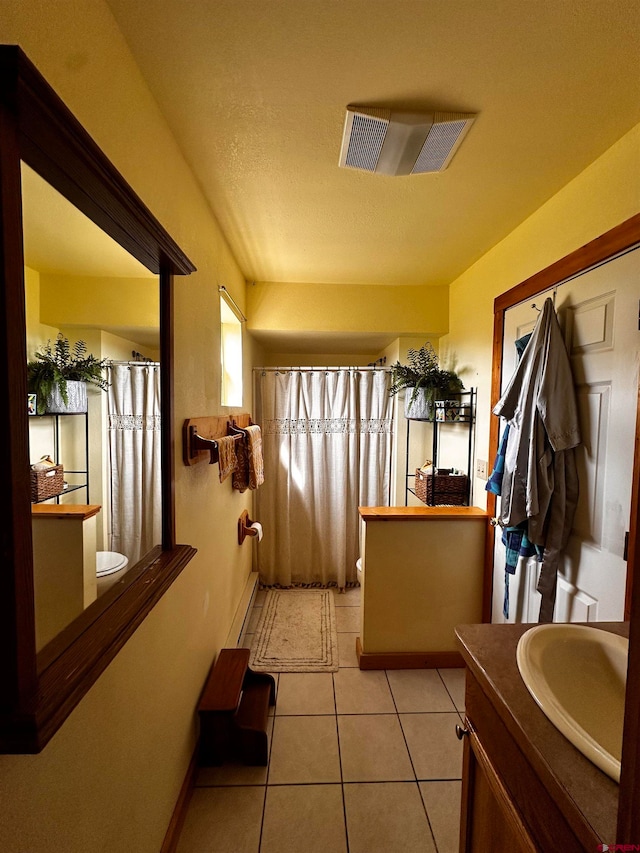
point(227, 460)
point(250, 471)
point(256, 462)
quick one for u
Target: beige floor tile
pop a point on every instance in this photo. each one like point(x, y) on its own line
point(233, 772)
point(418, 690)
point(442, 801)
point(305, 749)
point(307, 818)
point(386, 817)
point(349, 598)
point(347, 619)
point(347, 650)
point(223, 820)
point(372, 749)
point(435, 750)
point(359, 692)
point(454, 682)
point(260, 597)
point(247, 640)
point(305, 693)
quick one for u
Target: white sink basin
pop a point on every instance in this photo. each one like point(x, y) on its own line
point(577, 675)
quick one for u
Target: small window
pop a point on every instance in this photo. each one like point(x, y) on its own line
point(230, 355)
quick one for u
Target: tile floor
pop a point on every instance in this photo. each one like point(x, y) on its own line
point(360, 762)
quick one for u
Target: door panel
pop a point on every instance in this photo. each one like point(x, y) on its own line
point(598, 312)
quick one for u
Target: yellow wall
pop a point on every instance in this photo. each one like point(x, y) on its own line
point(348, 308)
point(37, 332)
point(605, 194)
point(99, 301)
point(110, 777)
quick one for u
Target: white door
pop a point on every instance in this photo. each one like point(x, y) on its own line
point(598, 312)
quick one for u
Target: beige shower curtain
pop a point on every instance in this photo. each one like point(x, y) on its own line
point(134, 451)
point(327, 450)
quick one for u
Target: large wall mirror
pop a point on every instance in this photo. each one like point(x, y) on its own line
point(83, 288)
point(87, 557)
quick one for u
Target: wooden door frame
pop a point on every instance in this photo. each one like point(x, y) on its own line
point(603, 248)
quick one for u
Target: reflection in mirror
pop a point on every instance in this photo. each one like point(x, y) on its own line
point(96, 517)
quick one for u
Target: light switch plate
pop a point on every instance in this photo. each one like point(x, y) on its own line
point(481, 469)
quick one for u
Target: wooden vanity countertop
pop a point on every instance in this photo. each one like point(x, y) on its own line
point(77, 512)
point(489, 651)
point(417, 513)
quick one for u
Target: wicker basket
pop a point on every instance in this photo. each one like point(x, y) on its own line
point(47, 484)
point(450, 489)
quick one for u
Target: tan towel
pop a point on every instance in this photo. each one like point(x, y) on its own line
point(227, 460)
point(256, 462)
point(250, 471)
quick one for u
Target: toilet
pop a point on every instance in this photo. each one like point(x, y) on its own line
point(110, 567)
point(109, 562)
point(359, 570)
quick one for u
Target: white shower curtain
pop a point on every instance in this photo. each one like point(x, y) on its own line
point(134, 450)
point(327, 450)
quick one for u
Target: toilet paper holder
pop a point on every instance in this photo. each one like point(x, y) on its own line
point(244, 527)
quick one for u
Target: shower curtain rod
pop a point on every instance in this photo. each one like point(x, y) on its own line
point(319, 367)
point(136, 363)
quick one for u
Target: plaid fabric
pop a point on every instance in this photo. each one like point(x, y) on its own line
point(494, 483)
point(517, 545)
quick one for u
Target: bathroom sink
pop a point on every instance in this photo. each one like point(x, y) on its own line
point(577, 675)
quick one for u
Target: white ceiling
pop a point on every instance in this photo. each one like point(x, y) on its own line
point(255, 92)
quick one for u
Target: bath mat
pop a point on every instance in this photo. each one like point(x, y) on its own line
point(296, 632)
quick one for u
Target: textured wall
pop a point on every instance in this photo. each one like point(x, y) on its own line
point(109, 779)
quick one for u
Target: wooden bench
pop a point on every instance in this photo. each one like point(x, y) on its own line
point(234, 711)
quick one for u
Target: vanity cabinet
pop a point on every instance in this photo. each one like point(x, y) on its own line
point(525, 786)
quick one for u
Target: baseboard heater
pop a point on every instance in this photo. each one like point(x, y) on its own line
point(243, 613)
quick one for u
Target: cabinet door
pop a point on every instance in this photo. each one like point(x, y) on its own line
point(490, 820)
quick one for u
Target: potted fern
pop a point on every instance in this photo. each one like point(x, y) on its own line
point(59, 373)
point(426, 379)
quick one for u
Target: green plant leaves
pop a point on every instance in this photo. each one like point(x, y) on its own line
point(422, 371)
point(53, 366)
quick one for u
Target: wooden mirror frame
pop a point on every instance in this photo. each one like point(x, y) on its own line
point(606, 247)
point(39, 690)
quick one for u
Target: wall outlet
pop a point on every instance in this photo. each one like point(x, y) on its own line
point(482, 469)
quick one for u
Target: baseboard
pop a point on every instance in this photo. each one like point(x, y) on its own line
point(243, 613)
point(176, 823)
point(407, 660)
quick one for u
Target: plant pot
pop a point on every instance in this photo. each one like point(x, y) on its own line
point(77, 397)
point(420, 408)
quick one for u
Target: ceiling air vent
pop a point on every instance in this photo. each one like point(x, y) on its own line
point(401, 143)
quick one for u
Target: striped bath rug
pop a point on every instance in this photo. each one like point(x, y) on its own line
point(296, 632)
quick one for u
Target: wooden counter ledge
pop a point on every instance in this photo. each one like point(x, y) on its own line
point(416, 513)
point(79, 512)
